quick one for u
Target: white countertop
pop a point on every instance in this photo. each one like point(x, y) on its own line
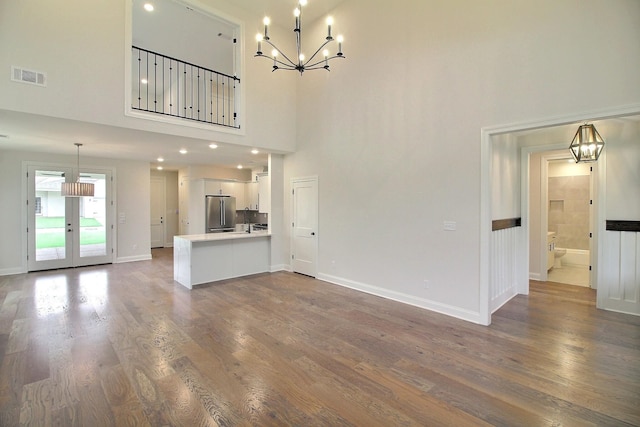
point(232, 235)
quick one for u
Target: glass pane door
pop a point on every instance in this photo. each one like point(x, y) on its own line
point(94, 237)
point(67, 231)
point(49, 220)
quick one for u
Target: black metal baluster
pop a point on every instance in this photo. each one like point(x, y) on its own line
point(223, 93)
point(155, 83)
point(147, 79)
point(217, 99)
point(204, 94)
point(211, 97)
point(198, 92)
point(191, 92)
point(235, 104)
point(139, 71)
point(163, 86)
point(229, 101)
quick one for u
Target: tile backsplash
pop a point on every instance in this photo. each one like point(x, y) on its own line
point(253, 217)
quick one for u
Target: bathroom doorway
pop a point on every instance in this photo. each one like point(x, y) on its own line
point(568, 203)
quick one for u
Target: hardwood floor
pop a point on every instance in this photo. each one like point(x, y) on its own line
point(124, 345)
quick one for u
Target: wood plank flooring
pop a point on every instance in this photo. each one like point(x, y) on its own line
point(123, 345)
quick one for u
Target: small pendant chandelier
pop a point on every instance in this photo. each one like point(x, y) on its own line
point(77, 189)
point(587, 144)
point(299, 63)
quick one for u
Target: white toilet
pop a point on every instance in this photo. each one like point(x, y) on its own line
point(558, 253)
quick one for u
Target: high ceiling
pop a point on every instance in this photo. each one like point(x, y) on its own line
point(28, 132)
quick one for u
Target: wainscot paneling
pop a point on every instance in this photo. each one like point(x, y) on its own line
point(503, 273)
point(620, 290)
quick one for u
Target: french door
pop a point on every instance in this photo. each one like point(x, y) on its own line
point(67, 231)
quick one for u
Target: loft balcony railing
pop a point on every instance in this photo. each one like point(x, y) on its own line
point(171, 87)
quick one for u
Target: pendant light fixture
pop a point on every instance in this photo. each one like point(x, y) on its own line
point(587, 144)
point(77, 189)
point(299, 63)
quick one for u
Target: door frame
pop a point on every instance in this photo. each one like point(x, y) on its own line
point(550, 153)
point(109, 205)
point(486, 151)
point(293, 181)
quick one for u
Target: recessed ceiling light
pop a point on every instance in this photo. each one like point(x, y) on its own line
point(213, 146)
point(148, 7)
point(183, 151)
point(239, 166)
point(160, 159)
point(159, 168)
point(254, 151)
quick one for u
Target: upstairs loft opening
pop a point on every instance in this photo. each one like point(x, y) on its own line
point(185, 63)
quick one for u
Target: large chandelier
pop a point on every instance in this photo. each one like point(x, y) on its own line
point(301, 63)
point(587, 144)
point(77, 189)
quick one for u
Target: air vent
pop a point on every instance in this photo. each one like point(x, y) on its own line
point(28, 76)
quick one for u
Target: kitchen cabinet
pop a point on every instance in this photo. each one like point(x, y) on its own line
point(212, 187)
point(235, 189)
point(206, 258)
point(197, 189)
point(183, 205)
point(264, 193)
point(227, 188)
point(251, 195)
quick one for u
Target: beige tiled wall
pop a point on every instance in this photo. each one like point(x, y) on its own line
point(569, 211)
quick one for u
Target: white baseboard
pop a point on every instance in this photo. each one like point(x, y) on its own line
point(502, 300)
point(11, 271)
point(121, 260)
point(449, 310)
point(280, 267)
point(534, 276)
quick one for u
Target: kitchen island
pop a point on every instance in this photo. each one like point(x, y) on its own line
point(204, 258)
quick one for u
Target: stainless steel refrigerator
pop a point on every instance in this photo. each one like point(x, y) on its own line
point(220, 214)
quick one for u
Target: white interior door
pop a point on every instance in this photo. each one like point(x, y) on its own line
point(67, 231)
point(158, 208)
point(305, 226)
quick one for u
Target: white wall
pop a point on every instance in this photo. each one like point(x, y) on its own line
point(505, 181)
point(623, 173)
point(132, 195)
point(558, 168)
point(393, 132)
point(82, 47)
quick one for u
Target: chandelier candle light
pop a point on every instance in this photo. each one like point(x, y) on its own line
point(302, 64)
point(77, 189)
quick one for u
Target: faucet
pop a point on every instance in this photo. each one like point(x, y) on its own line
point(246, 211)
